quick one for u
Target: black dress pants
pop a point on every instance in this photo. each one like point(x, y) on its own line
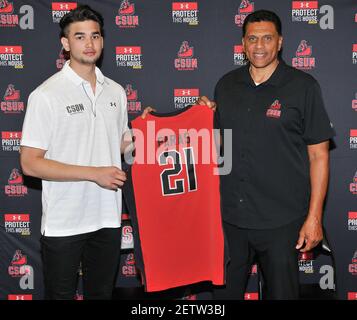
point(99, 252)
point(274, 250)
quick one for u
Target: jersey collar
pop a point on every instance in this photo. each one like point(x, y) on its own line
point(76, 79)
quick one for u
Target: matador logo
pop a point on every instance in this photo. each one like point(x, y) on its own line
point(354, 103)
point(274, 111)
point(128, 57)
point(129, 269)
point(126, 17)
point(133, 105)
point(11, 56)
point(8, 18)
point(352, 267)
point(303, 59)
point(11, 101)
point(185, 97)
point(185, 12)
point(185, 59)
point(353, 185)
point(245, 8)
point(15, 187)
point(59, 9)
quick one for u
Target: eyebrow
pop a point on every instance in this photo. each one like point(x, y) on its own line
point(83, 33)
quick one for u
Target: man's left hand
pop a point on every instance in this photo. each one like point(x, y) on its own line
point(310, 234)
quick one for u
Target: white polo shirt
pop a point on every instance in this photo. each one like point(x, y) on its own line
point(77, 127)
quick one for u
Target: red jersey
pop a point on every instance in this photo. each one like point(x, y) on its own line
point(177, 201)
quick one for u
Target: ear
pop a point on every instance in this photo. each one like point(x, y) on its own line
point(280, 42)
point(65, 43)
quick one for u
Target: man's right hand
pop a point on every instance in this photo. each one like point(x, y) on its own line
point(110, 178)
point(204, 101)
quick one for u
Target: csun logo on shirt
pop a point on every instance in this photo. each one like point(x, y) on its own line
point(75, 109)
point(274, 110)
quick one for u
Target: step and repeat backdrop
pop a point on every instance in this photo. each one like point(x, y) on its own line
point(166, 54)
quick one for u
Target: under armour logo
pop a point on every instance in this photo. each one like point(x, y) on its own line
point(186, 93)
point(64, 6)
point(14, 218)
point(184, 6)
point(128, 50)
point(9, 49)
point(304, 5)
point(113, 104)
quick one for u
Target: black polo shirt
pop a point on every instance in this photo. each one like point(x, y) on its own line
point(271, 124)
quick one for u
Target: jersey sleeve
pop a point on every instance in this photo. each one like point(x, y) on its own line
point(317, 125)
point(38, 124)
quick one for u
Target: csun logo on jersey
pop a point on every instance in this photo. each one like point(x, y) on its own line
point(185, 12)
point(59, 9)
point(126, 17)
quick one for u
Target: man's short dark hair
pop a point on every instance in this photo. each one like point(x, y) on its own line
point(262, 15)
point(81, 13)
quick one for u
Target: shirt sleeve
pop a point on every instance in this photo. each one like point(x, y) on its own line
point(317, 125)
point(38, 124)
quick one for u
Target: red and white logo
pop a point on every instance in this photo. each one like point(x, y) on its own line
point(15, 187)
point(10, 140)
point(303, 59)
point(11, 101)
point(352, 267)
point(185, 97)
point(19, 297)
point(127, 56)
point(61, 60)
point(352, 220)
point(305, 11)
point(127, 240)
point(353, 184)
point(353, 138)
point(7, 16)
point(185, 59)
point(18, 266)
point(354, 103)
point(129, 269)
point(239, 56)
point(352, 296)
point(251, 296)
point(11, 56)
point(306, 262)
point(274, 111)
point(17, 223)
point(126, 17)
point(59, 9)
point(354, 53)
point(133, 105)
point(246, 7)
point(185, 12)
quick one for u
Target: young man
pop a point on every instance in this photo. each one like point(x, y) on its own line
point(273, 199)
point(71, 140)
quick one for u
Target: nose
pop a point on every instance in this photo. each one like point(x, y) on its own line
point(89, 43)
point(259, 43)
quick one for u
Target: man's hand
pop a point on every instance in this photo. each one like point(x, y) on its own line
point(146, 111)
point(110, 178)
point(204, 101)
point(310, 234)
